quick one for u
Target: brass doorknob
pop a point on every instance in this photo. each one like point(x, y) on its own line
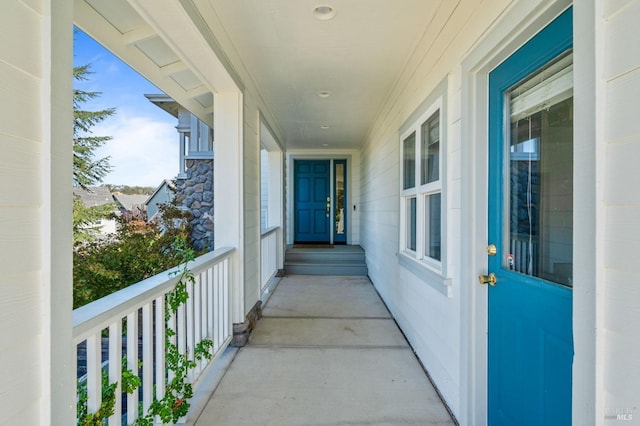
point(492, 250)
point(488, 279)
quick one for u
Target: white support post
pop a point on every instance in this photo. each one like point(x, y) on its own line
point(228, 190)
point(57, 371)
point(276, 201)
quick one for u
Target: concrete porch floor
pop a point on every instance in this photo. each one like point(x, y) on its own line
point(326, 352)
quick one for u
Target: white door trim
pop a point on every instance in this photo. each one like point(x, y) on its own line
point(518, 24)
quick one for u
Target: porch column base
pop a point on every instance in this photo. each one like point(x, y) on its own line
point(241, 331)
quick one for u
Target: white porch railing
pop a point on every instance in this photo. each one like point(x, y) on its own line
point(269, 254)
point(108, 326)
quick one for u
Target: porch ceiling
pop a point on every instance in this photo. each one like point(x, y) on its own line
point(288, 54)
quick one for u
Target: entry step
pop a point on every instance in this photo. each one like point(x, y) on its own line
point(336, 260)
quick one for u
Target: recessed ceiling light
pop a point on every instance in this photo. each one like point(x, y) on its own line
point(325, 144)
point(324, 12)
point(324, 126)
point(324, 94)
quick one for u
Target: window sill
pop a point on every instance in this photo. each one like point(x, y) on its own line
point(425, 273)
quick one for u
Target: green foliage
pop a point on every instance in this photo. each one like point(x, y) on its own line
point(175, 402)
point(87, 169)
point(137, 251)
point(85, 218)
point(130, 382)
point(178, 391)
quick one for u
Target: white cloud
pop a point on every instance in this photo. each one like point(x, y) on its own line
point(143, 151)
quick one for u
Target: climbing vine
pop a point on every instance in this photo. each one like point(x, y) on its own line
point(178, 390)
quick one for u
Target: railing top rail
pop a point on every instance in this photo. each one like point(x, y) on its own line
point(100, 313)
point(268, 231)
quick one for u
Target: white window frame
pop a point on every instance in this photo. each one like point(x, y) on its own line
point(420, 192)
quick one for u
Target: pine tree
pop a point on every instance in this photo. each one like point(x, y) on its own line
point(87, 169)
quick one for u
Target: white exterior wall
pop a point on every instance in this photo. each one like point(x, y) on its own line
point(617, 56)
point(35, 213)
point(430, 318)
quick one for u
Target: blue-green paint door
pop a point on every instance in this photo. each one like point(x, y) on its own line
point(531, 223)
point(312, 201)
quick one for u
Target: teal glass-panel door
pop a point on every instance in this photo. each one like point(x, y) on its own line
point(312, 201)
point(530, 342)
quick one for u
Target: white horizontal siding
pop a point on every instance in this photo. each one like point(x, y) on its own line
point(20, 212)
point(21, 376)
point(22, 48)
point(20, 157)
point(430, 319)
point(20, 92)
point(621, 190)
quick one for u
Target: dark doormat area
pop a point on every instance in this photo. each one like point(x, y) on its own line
point(322, 246)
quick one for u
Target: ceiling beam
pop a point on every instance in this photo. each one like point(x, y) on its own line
point(138, 35)
point(173, 68)
point(198, 91)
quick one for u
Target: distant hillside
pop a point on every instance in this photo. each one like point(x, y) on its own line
point(131, 190)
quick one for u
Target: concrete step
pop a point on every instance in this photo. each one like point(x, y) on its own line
point(325, 269)
point(324, 255)
point(340, 260)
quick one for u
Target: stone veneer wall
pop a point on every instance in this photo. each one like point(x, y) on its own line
point(195, 193)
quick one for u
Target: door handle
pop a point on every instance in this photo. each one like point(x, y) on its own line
point(488, 279)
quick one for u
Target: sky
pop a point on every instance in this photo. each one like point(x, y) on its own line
point(144, 148)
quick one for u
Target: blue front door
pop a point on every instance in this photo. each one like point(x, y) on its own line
point(531, 224)
point(312, 201)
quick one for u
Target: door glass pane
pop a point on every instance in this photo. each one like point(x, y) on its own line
point(409, 161)
point(540, 187)
point(430, 149)
point(411, 224)
point(339, 203)
point(433, 226)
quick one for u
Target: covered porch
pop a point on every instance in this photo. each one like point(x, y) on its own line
point(399, 94)
point(326, 352)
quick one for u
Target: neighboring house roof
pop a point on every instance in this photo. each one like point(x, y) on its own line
point(164, 193)
point(164, 183)
point(93, 196)
point(130, 202)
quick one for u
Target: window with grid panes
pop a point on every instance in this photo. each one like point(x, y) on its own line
point(421, 233)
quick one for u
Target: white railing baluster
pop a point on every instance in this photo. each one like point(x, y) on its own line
point(94, 372)
point(225, 320)
point(160, 347)
point(132, 363)
point(205, 315)
point(210, 304)
point(182, 330)
point(173, 326)
point(115, 368)
point(197, 319)
point(219, 302)
point(216, 302)
point(189, 326)
point(147, 354)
